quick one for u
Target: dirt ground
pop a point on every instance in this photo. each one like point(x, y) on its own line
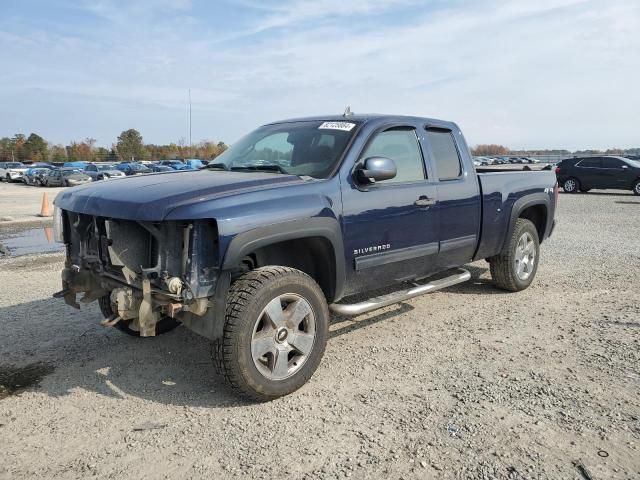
point(469, 382)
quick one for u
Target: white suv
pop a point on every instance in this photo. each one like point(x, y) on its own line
point(12, 171)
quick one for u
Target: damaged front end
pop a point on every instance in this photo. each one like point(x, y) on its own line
point(146, 270)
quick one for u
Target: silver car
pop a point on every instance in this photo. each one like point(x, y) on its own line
point(102, 171)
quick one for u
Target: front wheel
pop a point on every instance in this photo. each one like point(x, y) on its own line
point(571, 185)
point(515, 267)
point(275, 332)
point(636, 187)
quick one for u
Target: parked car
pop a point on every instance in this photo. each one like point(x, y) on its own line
point(76, 164)
point(161, 168)
point(65, 177)
point(133, 168)
point(482, 161)
point(584, 173)
point(175, 164)
point(194, 163)
point(12, 171)
point(102, 171)
point(253, 254)
point(33, 175)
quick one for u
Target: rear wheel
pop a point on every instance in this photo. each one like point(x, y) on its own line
point(166, 324)
point(636, 187)
point(275, 332)
point(515, 267)
point(571, 185)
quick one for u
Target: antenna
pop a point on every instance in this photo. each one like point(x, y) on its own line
point(347, 112)
point(190, 155)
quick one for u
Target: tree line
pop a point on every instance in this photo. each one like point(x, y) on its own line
point(485, 150)
point(129, 146)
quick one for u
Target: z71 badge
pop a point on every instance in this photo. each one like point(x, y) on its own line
point(373, 249)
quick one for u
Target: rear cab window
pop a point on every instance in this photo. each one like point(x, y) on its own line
point(446, 157)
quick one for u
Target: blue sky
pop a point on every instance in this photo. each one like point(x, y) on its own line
point(549, 73)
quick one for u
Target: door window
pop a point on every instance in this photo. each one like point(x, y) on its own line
point(612, 163)
point(590, 163)
point(401, 146)
point(445, 154)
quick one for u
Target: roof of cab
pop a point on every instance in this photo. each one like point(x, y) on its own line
point(367, 117)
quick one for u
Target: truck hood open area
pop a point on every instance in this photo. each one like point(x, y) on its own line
point(152, 197)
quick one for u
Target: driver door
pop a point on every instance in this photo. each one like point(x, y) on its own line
point(390, 227)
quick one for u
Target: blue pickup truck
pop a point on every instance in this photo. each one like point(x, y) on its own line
point(290, 223)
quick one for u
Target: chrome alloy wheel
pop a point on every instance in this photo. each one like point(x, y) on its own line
point(525, 256)
point(637, 188)
point(283, 336)
point(570, 186)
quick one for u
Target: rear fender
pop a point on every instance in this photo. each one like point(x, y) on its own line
point(525, 202)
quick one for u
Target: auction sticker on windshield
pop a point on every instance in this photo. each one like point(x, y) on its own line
point(346, 126)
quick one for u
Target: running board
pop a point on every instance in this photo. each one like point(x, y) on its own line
point(460, 276)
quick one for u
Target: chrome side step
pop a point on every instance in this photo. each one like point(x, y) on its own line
point(460, 276)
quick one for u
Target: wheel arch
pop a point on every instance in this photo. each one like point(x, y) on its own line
point(533, 207)
point(311, 245)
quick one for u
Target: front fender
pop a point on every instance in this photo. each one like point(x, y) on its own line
point(326, 227)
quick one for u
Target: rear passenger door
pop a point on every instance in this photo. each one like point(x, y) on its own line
point(589, 173)
point(458, 196)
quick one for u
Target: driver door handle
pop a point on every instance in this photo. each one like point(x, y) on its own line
point(424, 201)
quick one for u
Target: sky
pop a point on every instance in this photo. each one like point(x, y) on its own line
point(525, 74)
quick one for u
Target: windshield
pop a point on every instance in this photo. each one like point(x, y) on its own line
point(137, 166)
point(102, 168)
point(14, 165)
point(67, 173)
point(297, 148)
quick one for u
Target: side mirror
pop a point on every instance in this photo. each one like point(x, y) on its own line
point(377, 169)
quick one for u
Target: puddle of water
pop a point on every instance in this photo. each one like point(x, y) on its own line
point(26, 242)
point(13, 379)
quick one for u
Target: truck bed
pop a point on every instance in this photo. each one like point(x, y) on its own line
point(498, 206)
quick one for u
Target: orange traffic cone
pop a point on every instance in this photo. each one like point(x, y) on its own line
point(48, 232)
point(45, 211)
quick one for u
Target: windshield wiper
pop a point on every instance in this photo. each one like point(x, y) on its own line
point(217, 166)
point(262, 168)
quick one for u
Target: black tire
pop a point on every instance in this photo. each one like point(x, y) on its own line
point(246, 302)
point(504, 267)
point(166, 324)
point(636, 187)
point(571, 185)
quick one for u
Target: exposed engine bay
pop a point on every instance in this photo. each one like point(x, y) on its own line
point(147, 270)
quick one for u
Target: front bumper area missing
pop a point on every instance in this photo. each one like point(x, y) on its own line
point(143, 271)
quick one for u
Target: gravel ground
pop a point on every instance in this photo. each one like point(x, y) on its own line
point(469, 382)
